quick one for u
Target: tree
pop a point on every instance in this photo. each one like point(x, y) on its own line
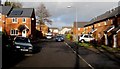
point(44, 14)
point(13, 4)
point(7, 3)
point(16, 4)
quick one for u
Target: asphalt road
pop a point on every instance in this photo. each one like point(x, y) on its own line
point(53, 54)
point(60, 55)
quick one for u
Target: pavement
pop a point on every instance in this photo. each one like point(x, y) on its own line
point(114, 55)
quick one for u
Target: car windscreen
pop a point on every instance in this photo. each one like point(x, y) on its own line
point(22, 40)
point(59, 37)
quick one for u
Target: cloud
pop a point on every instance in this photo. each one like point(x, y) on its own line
point(63, 16)
point(65, 0)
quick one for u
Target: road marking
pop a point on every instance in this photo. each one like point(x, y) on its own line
point(80, 56)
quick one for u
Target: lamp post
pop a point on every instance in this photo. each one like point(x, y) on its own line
point(77, 39)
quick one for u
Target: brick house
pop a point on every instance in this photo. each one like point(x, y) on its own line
point(21, 21)
point(4, 12)
point(78, 28)
point(106, 28)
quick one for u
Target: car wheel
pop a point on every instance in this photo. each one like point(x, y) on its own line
point(82, 41)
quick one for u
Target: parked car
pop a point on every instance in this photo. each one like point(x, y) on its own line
point(23, 44)
point(49, 36)
point(59, 38)
point(86, 38)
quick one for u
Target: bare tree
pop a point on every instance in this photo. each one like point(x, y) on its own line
point(44, 14)
point(16, 4)
point(13, 4)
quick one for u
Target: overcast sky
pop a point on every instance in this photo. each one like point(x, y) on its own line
point(63, 16)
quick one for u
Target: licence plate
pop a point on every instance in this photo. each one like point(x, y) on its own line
point(59, 40)
point(24, 49)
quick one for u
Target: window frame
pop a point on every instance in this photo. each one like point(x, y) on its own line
point(14, 32)
point(15, 20)
point(23, 20)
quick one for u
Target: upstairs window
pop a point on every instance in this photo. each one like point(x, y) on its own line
point(14, 20)
point(105, 23)
point(99, 24)
point(24, 20)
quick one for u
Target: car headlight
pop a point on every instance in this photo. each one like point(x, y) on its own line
point(30, 47)
point(17, 46)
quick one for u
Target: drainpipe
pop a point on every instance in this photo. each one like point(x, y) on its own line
point(106, 39)
point(115, 41)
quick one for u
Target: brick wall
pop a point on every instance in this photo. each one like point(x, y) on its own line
point(10, 25)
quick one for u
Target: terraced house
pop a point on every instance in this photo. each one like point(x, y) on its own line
point(21, 21)
point(106, 27)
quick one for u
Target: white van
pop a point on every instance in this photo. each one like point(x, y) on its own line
point(49, 36)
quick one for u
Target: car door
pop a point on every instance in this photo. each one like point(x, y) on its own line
point(90, 37)
point(86, 38)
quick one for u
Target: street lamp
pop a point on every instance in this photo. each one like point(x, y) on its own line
point(75, 21)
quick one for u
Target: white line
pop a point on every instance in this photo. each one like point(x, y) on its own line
point(80, 57)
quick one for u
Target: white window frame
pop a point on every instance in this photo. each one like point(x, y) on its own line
point(14, 32)
point(99, 24)
point(13, 21)
point(23, 19)
point(105, 23)
point(86, 27)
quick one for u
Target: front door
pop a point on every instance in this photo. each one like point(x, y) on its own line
point(24, 33)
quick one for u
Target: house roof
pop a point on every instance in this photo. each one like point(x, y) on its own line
point(21, 12)
point(108, 14)
point(80, 24)
point(66, 27)
point(53, 28)
point(5, 9)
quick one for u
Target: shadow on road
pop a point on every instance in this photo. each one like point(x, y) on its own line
point(10, 58)
point(36, 48)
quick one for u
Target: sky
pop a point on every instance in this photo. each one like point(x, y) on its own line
point(61, 15)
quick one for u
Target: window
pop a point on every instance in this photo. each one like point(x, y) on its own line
point(86, 36)
point(14, 32)
point(14, 20)
point(111, 21)
point(24, 20)
point(95, 25)
point(89, 26)
point(105, 23)
point(78, 28)
point(98, 24)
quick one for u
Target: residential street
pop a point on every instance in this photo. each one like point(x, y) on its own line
point(59, 54)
